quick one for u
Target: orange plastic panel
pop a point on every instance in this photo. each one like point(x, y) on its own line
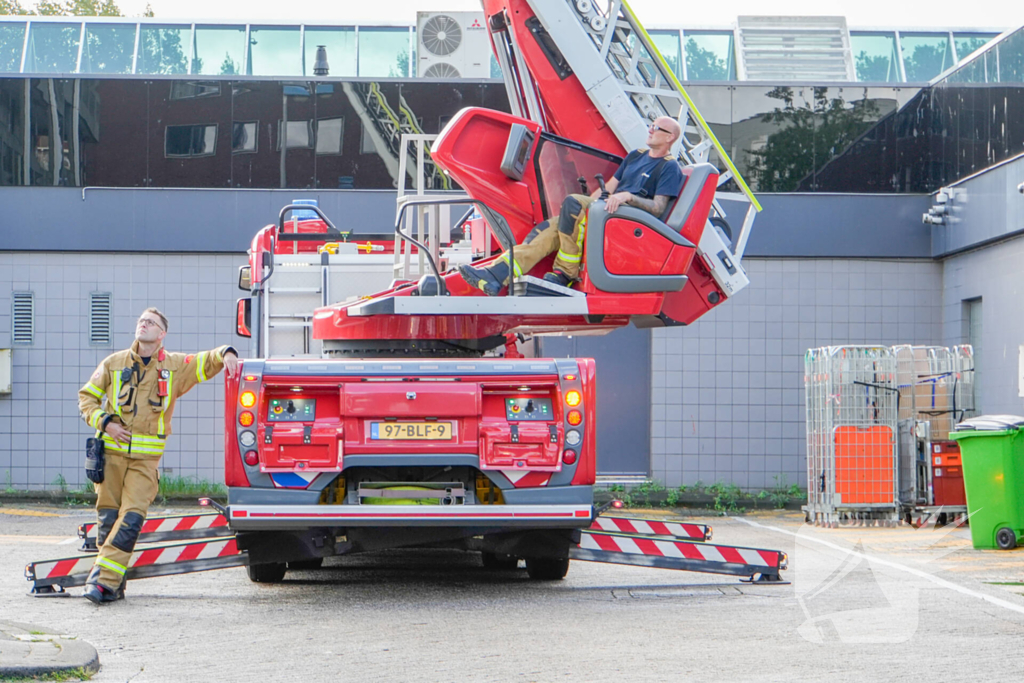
point(865, 464)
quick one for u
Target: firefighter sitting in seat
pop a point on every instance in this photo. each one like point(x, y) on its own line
point(647, 179)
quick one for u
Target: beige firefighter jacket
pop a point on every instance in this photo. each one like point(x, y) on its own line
point(142, 397)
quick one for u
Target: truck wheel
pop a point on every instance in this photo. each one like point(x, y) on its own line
point(498, 562)
point(547, 569)
point(272, 572)
point(314, 563)
point(1006, 539)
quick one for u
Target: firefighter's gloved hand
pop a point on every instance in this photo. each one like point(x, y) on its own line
point(94, 460)
point(118, 433)
point(616, 200)
point(230, 364)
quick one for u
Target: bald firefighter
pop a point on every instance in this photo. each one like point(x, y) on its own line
point(647, 179)
point(129, 400)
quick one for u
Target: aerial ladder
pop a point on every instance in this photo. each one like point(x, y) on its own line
point(410, 428)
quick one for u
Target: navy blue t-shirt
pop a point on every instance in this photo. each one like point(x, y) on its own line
point(638, 170)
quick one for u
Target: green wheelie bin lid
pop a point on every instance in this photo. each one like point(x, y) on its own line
point(992, 456)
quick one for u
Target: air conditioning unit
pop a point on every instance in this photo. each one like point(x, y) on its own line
point(452, 45)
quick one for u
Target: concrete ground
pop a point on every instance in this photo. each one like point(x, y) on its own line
point(864, 604)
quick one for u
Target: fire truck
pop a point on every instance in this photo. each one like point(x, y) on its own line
point(388, 404)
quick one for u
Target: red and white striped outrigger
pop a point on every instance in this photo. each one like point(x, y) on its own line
point(205, 541)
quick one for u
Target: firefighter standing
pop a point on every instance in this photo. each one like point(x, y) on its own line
point(129, 400)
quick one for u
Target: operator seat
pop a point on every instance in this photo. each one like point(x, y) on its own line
point(632, 251)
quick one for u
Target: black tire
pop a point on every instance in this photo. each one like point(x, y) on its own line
point(306, 565)
point(272, 572)
point(498, 562)
point(547, 569)
point(1006, 539)
point(943, 519)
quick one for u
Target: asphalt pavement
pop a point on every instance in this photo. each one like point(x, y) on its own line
point(863, 604)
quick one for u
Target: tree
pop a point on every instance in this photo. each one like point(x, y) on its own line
point(808, 137)
point(12, 7)
point(69, 8)
point(703, 64)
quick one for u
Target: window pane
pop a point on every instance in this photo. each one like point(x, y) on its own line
point(243, 136)
point(190, 141)
point(108, 49)
point(1011, 59)
point(925, 55)
point(220, 50)
point(164, 49)
point(383, 52)
point(300, 135)
point(12, 40)
point(875, 57)
point(53, 48)
point(275, 51)
point(329, 133)
point(966, 43)
point(667, 43)
point(341, 49)
point(709, 56)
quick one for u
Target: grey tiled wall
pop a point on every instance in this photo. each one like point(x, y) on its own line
point(727, 393)
point(996, 276)
point(41, 434)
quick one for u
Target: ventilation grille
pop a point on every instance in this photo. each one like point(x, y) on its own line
point(795, 49)
point(24, 313)
point(441, 70)
point(99, 319)
point(442, 35)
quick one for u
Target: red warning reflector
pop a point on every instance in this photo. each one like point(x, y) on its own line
point(252, 458)
point(569, 457)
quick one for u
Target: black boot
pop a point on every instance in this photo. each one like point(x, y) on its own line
point(99, 594)
point(488, 280)
point(558, 277)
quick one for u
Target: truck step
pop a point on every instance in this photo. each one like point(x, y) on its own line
point(52, 576)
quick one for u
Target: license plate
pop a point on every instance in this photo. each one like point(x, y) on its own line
point(415, 431)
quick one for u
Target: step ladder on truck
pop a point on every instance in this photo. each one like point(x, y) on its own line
point(404, 415)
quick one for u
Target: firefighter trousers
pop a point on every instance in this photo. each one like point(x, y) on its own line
point(129, 486)
point(566, 237)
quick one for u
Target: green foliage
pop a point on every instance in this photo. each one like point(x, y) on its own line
point(703, 64)
point(69, 8)
point(12, 7)
point(726, 496)
point(808, 136)
point(8, 487)
point(781, 494)
point(189, 486)
point(61, 483)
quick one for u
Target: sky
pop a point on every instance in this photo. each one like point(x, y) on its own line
point(652, 13)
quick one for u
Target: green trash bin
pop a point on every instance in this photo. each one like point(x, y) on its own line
point(992, 454)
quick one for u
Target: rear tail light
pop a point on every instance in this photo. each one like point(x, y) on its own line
point(572, 398)
point(246, 419)
point(569, 457)
point(252, 458)
point(247, 399)
point(575, 417)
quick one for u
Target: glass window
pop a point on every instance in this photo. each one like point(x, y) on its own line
point(925, 55)
point(874, 55)
point(187, 90)
point(966, 43)
point(275, 51)
point(329, 135)
point(383, 52)
point(667, 43)
point(709, 56)
point(53, 48)
point(190, 141)
point(220, 50)
point(12, 40)
point(1011, 59)
point(244, 137)
point(340, 44)
point(109, 49)
point(300, 135)
point(495, 68)
point(164, 49)
point(560, 166)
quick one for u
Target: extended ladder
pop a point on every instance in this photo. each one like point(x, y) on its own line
point(626, 77)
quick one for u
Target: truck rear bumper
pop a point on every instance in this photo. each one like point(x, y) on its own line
point(265, 517)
